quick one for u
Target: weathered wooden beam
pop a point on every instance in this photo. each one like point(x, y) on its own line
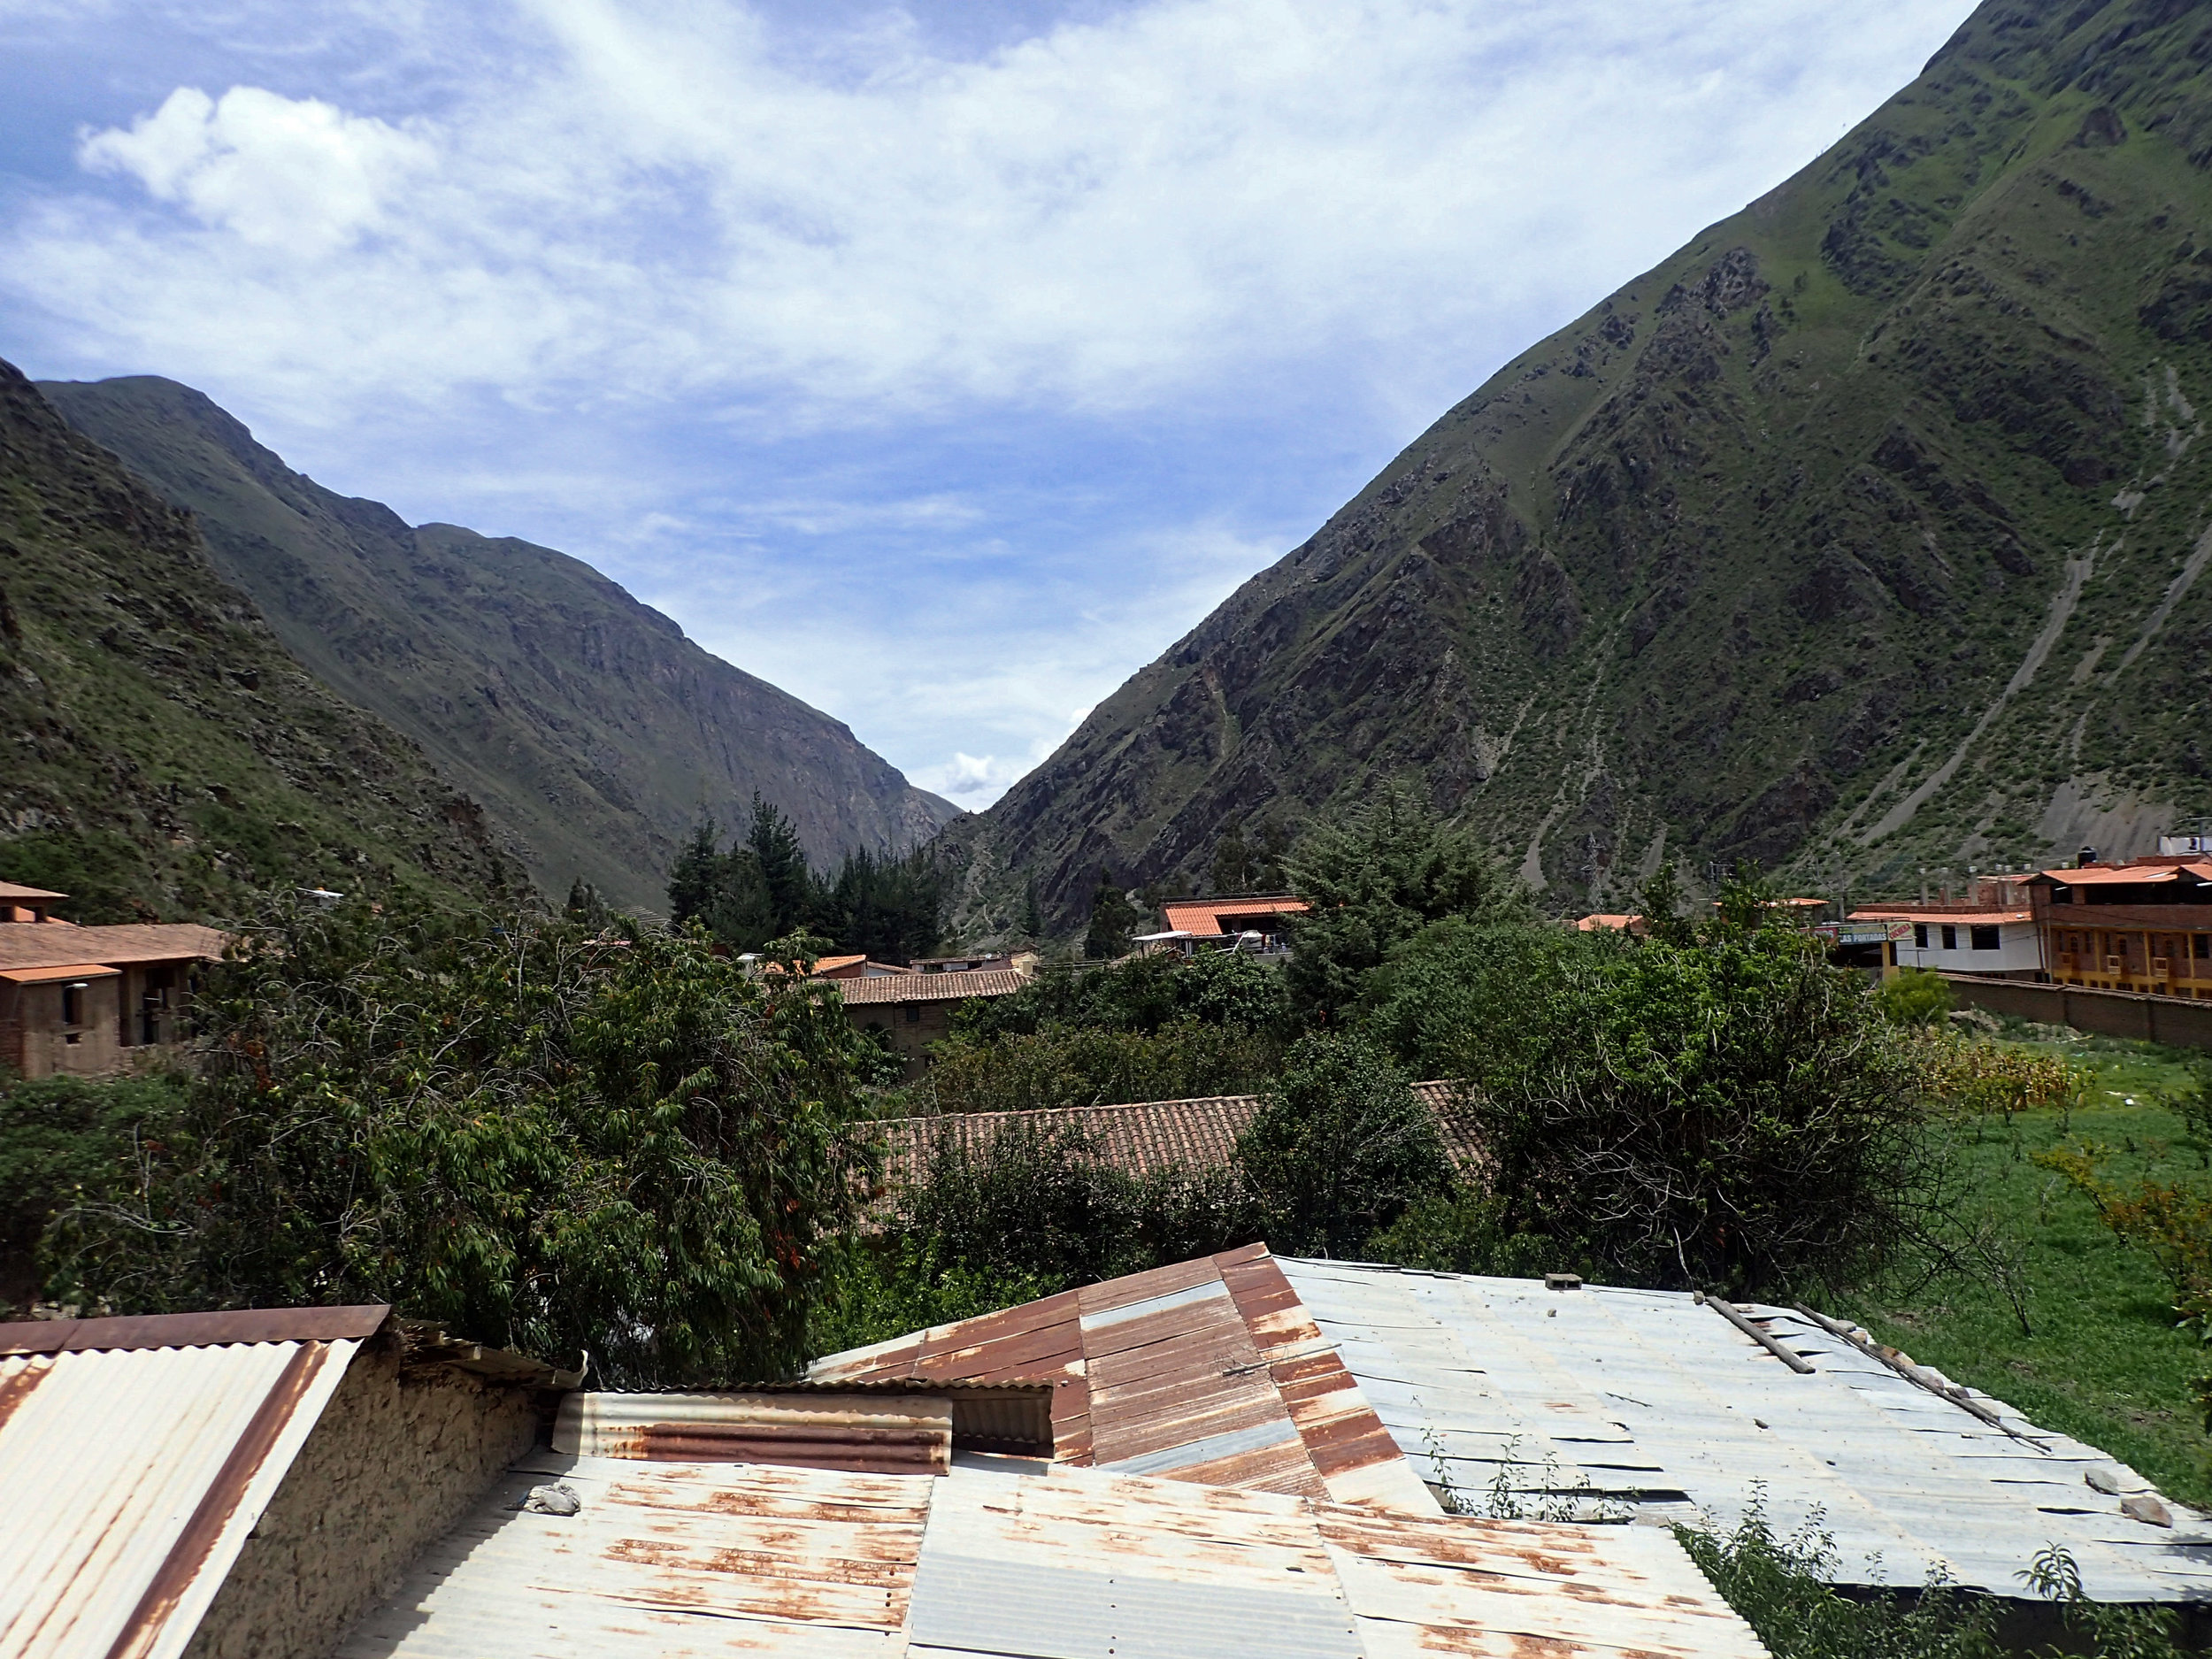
point(1734, 1315)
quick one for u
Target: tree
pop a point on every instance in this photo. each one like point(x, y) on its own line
point(1376, 875)
point(889, 909)
point(1732, 1114)
point(774, 844)
point(1340, 1145)
point(1113, 919)
point(1033, 913)
point(547, 1138)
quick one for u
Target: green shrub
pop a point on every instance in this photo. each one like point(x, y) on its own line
point(1468, 1230)
point(1342, 1145)
point(1731, 1114)
point(1138, 993)
point(1914, 997)
point(546, 1137)
point(1086, 1067)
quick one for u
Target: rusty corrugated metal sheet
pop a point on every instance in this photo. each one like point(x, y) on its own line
point(675, 1560)
point(1207, 1371)
point(873, 1433)
point(194, 1330)
point(129, 1479)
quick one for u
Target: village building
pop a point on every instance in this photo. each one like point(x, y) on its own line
point(1960, 938)
point(909, 1012)
point(2144, 927)
point(90, 1001)
point(1611, 921)
point(1016, 961)
point(1259, 922)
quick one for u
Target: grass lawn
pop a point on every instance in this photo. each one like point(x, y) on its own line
point(2105, 1362)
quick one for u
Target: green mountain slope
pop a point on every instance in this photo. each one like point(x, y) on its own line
point(165, 753)
point(1866, 532)
point(592, 730)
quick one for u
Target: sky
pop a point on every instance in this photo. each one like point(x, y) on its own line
point(941, 363)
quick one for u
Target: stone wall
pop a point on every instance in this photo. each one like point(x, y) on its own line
point(394, 1464)
point(2169, 1020)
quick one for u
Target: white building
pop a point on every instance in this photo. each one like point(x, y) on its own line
point(1956, 940)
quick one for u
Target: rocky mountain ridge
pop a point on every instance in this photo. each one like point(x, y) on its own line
point(1864, 532)
point(594, 734)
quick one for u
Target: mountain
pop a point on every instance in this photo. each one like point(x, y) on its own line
point(166, 756)
point(1865, 533)
point(594, 734)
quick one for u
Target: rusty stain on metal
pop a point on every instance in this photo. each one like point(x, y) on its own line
point(193, 1330)
point(15, 1387)
point(189, 1553)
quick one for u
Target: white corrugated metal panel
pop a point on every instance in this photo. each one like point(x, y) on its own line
point(1649, 1403)
point(129, 1480)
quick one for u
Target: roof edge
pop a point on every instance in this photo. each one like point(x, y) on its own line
point(194, 1330)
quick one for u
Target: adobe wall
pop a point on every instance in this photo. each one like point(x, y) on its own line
point(2180, 1021)
point(390, 1467)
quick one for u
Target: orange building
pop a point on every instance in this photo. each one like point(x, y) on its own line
point(2145, 925)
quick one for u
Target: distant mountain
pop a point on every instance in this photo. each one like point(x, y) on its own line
point(594, 734)
point(164, 756)
point(1866, 532)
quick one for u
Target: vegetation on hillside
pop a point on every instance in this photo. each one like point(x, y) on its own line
point(167, 759)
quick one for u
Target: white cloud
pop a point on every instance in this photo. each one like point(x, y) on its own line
point(296, 175)
point(659, 201)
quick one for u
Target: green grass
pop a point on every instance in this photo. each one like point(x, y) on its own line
point(2105, 1361)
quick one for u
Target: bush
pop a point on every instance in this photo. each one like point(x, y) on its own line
point(1139, 994)
point(1914, 997)
point(1732, 1114)
point(1781, 1587)
point(1458, 980)
point(1041, 1204)
point(1467, 1231)
point(546, 1138)
point(1994, 1078)
point(1059, 1068)
point(1341, 1147)
point(879, 1290)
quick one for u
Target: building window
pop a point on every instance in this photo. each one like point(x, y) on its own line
point(913, 1013)
point(1986, 939)
point(73, 1004)
point(1920, 935)
point(2202, 947)
point(1950, 937)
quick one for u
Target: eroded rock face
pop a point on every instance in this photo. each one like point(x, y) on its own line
point(1747, 553)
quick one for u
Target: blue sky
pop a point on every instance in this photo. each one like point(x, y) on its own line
point(942, 364)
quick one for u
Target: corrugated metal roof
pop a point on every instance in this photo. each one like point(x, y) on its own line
point(2126, 875)
point(1208, 1370)
point(65, 970)
point(1955, 918)
point(1141, 1138)
point(1008, 1557)
point(130, 1477)
point(874, 1431)
point(31, 946)
point(931, 987)
point(1647, 1401)
point(12, 890)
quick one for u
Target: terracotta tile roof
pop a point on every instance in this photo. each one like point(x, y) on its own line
point(67, 970)
point(933, 988)
point(2126, 875)
point(1207, 1372)
point(1205, 916)
point(1140, 1139)
point(825, 966)
point(1619, 924)
point(30, 947)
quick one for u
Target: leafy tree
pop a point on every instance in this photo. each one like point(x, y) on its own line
point(544, 1137)
point(1233, 864)
point(1375, 875)
point(1065, 1066)
point(1113, 919)
point(1665, 909)
point(584, 905)
point(1732, 1114)
point(60, 1138)
point(1137, 994)
point(1460, 980)
point(1340, 1145)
